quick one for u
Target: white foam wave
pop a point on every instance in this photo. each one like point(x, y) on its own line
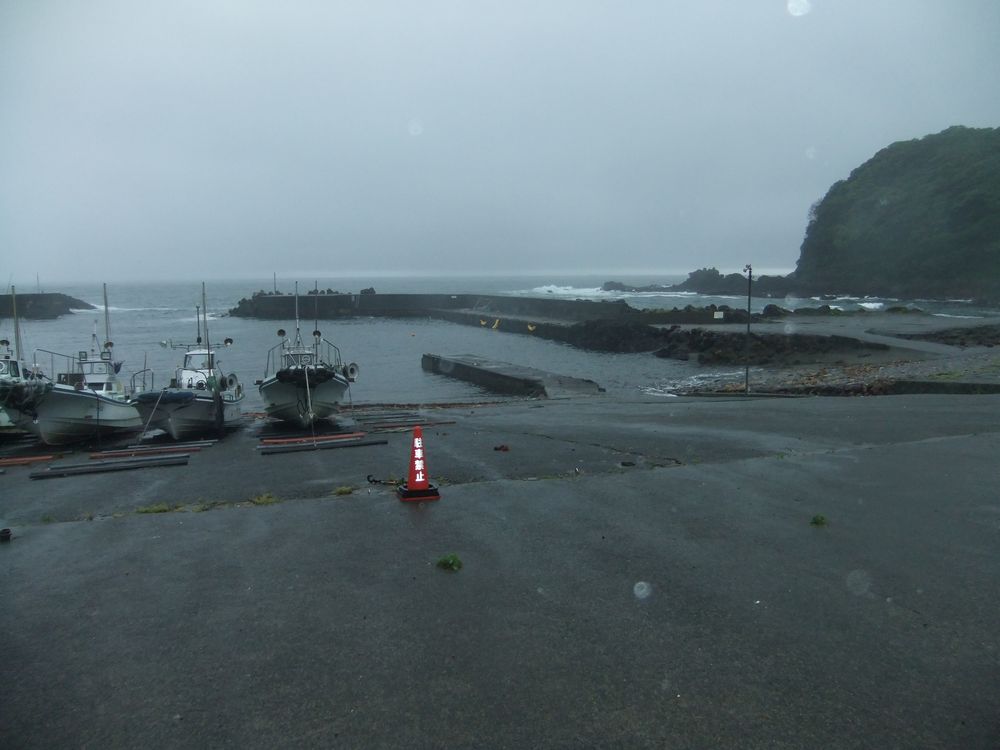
point(99, 309)
point(564, 291)
point(574, 292)
point(653, 390)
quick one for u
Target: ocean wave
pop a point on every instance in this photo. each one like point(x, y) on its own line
point(564, 291)
point(575, 292)
point(655, 390)
point(99, 309)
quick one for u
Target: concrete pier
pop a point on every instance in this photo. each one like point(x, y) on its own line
point(504, 377)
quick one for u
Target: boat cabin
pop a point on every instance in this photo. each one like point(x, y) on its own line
point(198, 360)
point(197, 370)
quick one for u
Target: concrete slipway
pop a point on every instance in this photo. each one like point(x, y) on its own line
point(637, 573)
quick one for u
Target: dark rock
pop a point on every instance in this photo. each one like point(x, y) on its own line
point(42, 306)
point(773, 311)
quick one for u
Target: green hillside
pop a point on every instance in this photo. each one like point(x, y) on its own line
point(919, 219)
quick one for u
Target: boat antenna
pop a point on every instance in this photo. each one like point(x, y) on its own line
point(197, 317)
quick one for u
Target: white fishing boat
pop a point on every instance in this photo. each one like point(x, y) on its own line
point(304, 382)
point(19, 382)
point(86, 400)
point(200, 398)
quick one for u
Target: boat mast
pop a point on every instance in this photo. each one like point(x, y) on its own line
point(316, 333)
point(208, 343)
point(107, 321)
point(298, 337)
point(305, 367)
point(17, 324)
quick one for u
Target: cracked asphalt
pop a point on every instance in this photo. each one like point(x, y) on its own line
point(637, 573)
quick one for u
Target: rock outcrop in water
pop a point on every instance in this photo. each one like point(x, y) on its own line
point(41, 306)
point(710, 282)
point(710, 347)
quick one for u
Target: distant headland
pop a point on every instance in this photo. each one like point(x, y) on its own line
point(41, 305)
point(919, 220)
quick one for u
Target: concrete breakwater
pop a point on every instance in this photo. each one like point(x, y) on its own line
point(505, 377)
point(608, 326)
point(326, 306)
point(41, 306)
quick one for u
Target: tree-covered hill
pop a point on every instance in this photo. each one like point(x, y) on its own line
point(919, 219)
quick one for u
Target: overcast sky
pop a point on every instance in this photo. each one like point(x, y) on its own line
point(210, 139)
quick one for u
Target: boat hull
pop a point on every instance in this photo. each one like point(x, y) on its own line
point(288, 399)
point(68, 415)
point(184, 414)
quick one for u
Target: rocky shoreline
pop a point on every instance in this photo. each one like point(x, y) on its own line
point(965, 373)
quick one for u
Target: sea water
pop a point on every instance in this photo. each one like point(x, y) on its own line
point(149, 321)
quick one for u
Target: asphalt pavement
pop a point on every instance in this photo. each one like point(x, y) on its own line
point(669, 573)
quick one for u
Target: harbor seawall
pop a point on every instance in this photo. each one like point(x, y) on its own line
point(327, 306)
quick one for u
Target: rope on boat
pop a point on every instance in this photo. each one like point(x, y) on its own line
point(151, 413)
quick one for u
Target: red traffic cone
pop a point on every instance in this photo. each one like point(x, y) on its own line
point(418, 487)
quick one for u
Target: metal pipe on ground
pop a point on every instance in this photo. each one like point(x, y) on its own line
point(107, 466)
point(266, 450)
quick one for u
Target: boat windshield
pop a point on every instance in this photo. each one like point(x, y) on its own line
point(298, 360)
point(96, 368)
point(9, 367)
point(199, 361)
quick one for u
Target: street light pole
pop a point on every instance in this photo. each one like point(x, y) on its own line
point(748, 270)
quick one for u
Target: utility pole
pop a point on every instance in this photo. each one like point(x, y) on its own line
point(748, 270)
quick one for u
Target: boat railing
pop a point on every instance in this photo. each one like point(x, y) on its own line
point(324, 354)
point(68, 364)
point(152, 380)
point(332, 354)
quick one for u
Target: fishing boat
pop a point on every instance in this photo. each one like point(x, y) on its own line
point(200, 399)
point(308, 381)
point(19, 382)
point(86, 400)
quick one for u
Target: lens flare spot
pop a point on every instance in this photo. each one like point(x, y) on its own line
point(799, 7)
point(642, 590)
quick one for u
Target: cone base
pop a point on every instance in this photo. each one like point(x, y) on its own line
point(417, 495)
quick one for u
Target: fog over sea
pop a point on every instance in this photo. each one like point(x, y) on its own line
point(388, 351)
